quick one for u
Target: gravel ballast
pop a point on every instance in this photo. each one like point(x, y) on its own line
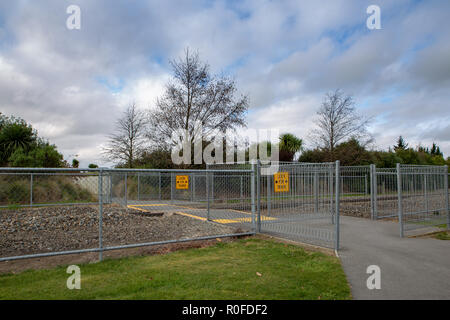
point(51, 229)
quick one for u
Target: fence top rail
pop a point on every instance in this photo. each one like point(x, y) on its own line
point(421, 166)
point(266, 163)
point(356, 167)
point(122, 170)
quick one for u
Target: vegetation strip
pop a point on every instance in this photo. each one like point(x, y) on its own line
point(243, 269)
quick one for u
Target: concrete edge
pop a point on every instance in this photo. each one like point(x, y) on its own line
point(306, 246)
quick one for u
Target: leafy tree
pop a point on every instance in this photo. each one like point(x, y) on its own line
point(15, 134)
point(401, 144)
point(435, 150)
point(20, 146)
point(43, 155)
point(75, 163)
point(385, 159)
point(289, 145)
point(350, 153)
point(158, 158)
point(92, 165)
point(316, 155)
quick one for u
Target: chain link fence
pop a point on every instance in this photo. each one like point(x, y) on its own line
point(46, 212)
point(49, 212)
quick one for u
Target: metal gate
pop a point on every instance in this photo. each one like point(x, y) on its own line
point(298, 201)
point(301, 201)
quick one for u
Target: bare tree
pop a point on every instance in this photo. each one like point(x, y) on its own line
point(338, 121)
point(192, 97)
point(128, 141)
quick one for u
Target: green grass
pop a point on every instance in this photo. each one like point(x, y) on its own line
point(243, 269)
point(445, 235)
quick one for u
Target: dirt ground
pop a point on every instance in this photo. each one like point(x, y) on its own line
point(17, 266)
point(51, 229)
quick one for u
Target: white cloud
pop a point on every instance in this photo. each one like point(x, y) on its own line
point(73, 85)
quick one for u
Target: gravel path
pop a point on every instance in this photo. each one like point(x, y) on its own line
point(49, 229)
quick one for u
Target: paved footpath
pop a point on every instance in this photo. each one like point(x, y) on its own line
point(411, 268)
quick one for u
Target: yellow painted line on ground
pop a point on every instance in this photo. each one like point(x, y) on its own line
point(262, 217)
point(131, 207)
point(150, 205)
point(165, 204)
point(225, 221)
point(236, 220)
point(267, 218)
point(190, 215)
point(244, 212)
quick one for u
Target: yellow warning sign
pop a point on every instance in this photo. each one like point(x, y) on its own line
point(182, 182)
point(281, 180)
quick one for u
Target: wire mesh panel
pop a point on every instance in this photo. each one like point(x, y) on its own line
point(386, 193)
point(28, 189)
point(231, 198)
point(356, 197)
point(299, 201)
point(175, 205)
point(296, 202)
point(47, 211)
point(97, 210)
point(424, 197)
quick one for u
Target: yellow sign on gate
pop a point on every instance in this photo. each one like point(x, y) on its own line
point(182, 182)
point(281, 181)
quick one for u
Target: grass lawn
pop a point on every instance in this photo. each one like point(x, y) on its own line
point(444, 235)
point(244, 269)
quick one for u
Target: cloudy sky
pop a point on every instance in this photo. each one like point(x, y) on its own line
point(71, 85)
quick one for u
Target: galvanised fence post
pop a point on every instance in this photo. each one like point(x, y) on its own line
point(374, 192)
point(366, 190)
point(100, 218)
point(338, 199)
point(446, 196)
point(258, 193)
point(331, 192)
point(212, 186)
point(269, 194)
point(425, 187)
point(253, 195)
point(372, 205)
point(316, 191)
point(400, 200)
